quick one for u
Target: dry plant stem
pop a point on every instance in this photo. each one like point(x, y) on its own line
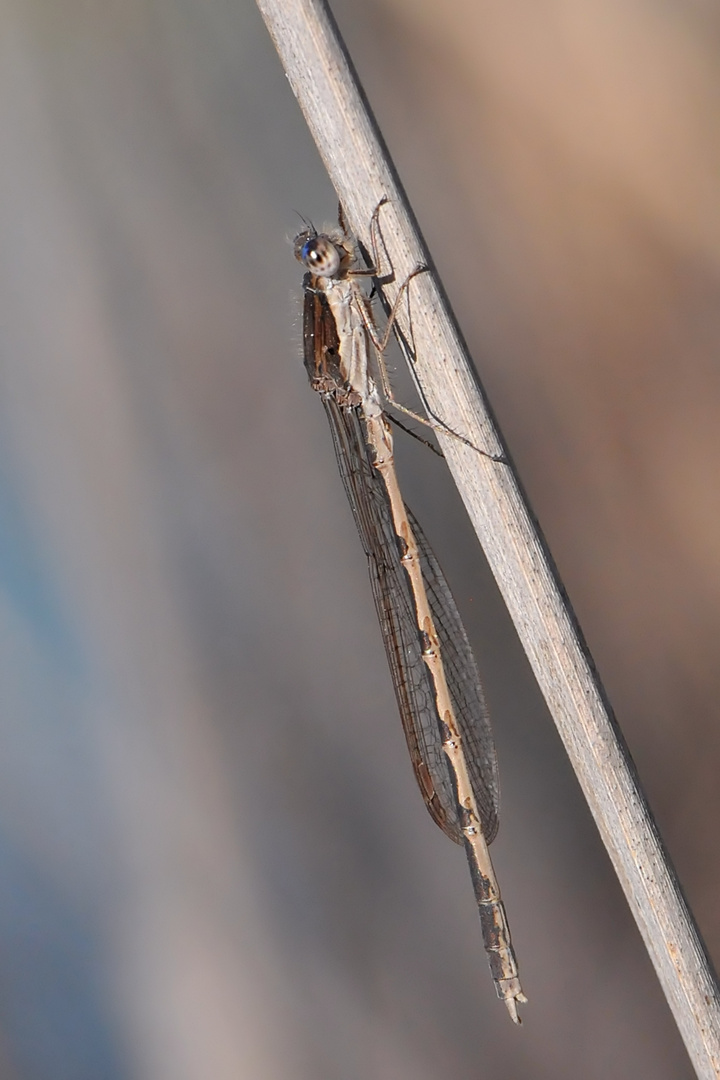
point(325, 85)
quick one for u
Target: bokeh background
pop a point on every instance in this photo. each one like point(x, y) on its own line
point(213, 859)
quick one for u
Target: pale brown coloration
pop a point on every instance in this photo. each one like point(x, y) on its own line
point(492, 913)
point(338, 330)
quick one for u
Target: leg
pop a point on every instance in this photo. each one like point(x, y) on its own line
point(373, 269)
point(380, 342)
point(380, 345)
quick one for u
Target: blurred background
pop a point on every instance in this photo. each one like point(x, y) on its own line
point(213, 859)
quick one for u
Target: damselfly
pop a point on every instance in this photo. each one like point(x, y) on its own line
point(434, 673)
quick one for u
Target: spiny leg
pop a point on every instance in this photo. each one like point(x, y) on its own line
point(435, 423)
point(380, 343)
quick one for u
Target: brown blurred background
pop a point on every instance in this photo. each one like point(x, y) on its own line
point(213, 860)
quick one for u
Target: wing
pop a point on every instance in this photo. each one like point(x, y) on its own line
point(396, 608)
point(466, 690)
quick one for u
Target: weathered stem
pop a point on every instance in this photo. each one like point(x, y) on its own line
point(321, 76)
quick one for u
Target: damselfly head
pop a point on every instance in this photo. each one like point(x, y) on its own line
point(319, 254)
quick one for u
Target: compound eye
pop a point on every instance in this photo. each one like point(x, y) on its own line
point(320, 256)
